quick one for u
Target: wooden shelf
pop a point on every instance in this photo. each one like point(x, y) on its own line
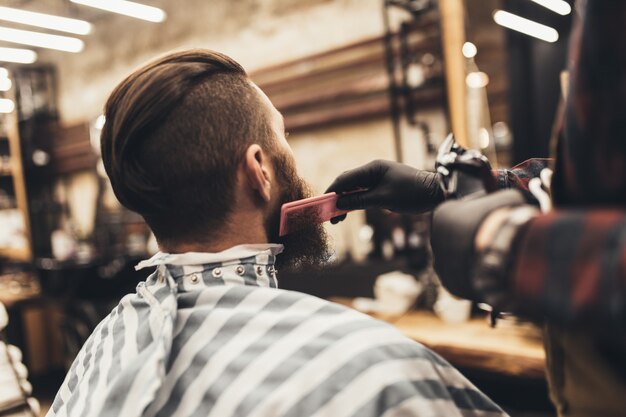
point(19, 184)
point(9, 300)
point(18, 254)
point(510, 350)
point(349, 83)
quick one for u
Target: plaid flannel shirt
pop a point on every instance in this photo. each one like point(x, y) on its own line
point(571, 264)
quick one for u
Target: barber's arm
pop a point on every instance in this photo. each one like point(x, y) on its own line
point(404, 189)
point(570, 267)
point(567, 267)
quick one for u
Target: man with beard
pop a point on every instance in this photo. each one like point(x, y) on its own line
point(200, 152)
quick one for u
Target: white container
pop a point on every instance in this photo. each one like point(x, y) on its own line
point(396, 292)
point(451, 309)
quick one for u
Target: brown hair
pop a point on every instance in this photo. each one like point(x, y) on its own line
point(176, 131)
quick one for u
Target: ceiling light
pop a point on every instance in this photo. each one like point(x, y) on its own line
point(6, 105)
point(469, 50)
point(5, 84)
point(4, 73)
point(19, 56)
point(42, 40)
point(526, 26)
point(100, 120)
point(127, 8)
point(483, 138)
point(47, 21)
point(557, 6)
point(477, 80)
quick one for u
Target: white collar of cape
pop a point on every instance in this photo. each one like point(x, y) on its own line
point(199, 258)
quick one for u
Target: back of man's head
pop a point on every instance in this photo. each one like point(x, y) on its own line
point(176, 130)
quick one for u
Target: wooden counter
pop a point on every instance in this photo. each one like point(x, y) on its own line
point(10, 299)
point(508, 349)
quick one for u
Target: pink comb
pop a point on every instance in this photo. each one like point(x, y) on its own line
point(298, 214)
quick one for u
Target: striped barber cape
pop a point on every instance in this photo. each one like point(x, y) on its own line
point(212, 335)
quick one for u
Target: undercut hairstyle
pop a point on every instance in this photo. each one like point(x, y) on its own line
point(176, 131)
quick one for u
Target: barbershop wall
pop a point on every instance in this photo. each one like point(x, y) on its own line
point(257, 33)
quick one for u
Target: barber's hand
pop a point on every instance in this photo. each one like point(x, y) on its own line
point(390, 185)
point(455, 233)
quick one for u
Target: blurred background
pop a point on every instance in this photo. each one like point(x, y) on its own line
point(356, 80)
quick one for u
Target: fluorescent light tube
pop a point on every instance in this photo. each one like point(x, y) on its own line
point(47, 21)
point(6, 105)
point(557, 6)
point(19, 56)
point(42, 40)
point(127, 8)
point(526, 26)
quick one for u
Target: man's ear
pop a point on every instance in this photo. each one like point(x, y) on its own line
point(256, 166)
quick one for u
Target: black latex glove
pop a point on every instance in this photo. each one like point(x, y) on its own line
point(390, 185)
point(454, 228)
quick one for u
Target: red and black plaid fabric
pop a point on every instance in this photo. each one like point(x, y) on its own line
point(572, 268)
point(571, 265)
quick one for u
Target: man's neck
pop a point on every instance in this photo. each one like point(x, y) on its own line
point(240, 229)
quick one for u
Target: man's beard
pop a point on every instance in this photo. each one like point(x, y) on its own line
point(304, 248)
